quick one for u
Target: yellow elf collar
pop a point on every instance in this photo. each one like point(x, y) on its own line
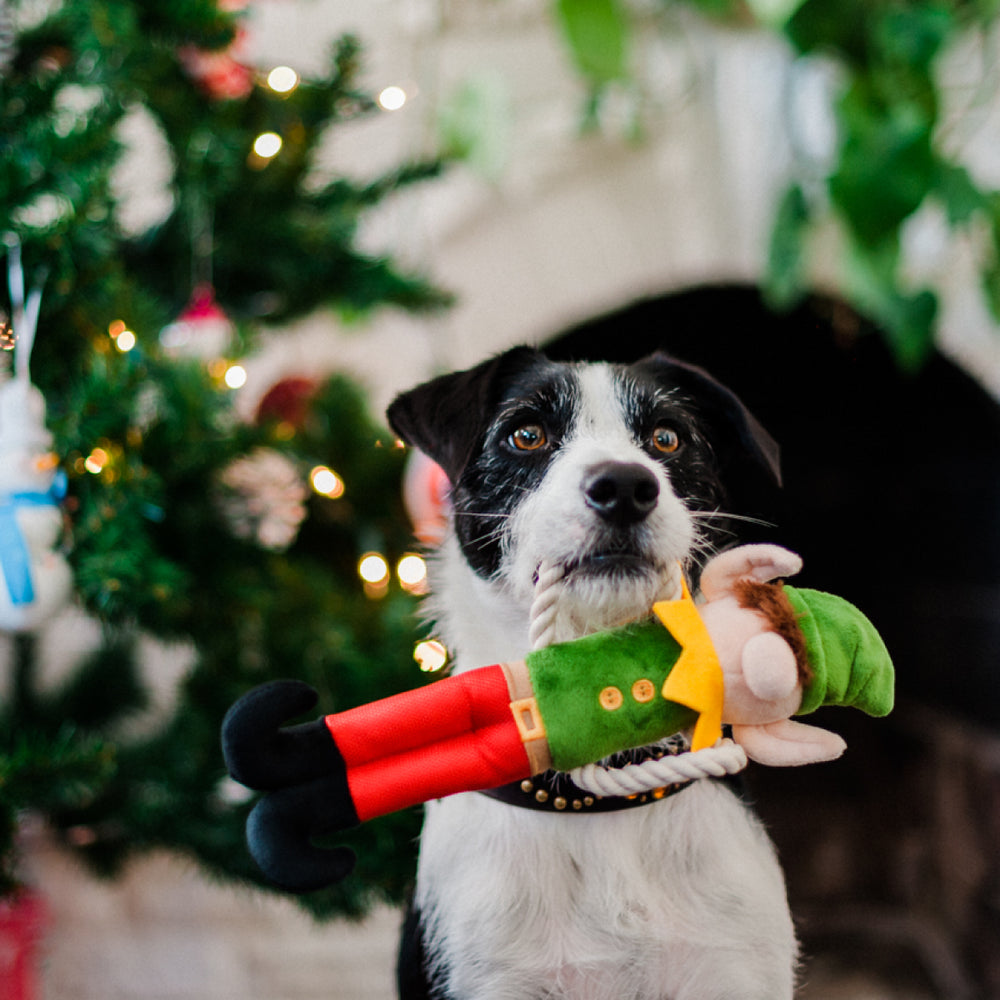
point(696, 680)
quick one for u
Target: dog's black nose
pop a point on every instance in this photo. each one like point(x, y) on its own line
point(622, 493)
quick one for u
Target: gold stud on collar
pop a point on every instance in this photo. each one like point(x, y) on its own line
point(538, 793)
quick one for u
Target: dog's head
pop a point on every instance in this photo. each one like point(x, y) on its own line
point(615, 473)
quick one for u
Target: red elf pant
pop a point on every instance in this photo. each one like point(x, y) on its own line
point(455, 735)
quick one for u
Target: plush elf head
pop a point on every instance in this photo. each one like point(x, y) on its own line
point(787, 651)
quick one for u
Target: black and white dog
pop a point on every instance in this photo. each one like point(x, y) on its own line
point(618, 475)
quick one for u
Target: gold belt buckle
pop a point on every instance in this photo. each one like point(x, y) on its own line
point(528, 719)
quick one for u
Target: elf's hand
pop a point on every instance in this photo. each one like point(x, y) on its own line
point(303, 774)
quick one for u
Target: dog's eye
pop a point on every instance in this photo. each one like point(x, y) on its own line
point(530, 437)
point(665, 440)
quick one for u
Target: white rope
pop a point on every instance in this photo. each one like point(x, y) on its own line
point(726, 757)
point(548, 589)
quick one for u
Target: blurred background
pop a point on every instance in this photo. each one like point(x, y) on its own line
point(232, 231)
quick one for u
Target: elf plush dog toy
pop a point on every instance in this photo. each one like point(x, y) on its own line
point(753, 654)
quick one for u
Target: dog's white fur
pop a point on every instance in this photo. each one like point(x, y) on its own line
point(678, 900)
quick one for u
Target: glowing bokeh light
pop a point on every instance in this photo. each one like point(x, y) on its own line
point(326, 482)
point(282, 79)
point(431, 655)
point(372, 568)
point(125, 341)
point(235, 377)
point(411, 570)
point(391, 98)
point(267, 145)
point(96, 461)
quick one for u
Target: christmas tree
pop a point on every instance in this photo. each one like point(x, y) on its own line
point(131, 488)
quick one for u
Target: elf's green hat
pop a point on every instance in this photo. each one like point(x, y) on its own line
point(849, 661)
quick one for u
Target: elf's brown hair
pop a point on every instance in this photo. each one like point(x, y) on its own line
point(770, 600)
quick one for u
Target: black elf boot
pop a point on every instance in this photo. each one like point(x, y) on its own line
point(305, 778)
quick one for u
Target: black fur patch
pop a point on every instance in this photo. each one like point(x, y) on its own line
point(498, 475)
point(412, 980)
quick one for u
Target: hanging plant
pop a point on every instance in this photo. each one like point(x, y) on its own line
point(890, 160)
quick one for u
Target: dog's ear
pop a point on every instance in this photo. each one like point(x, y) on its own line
point(445, 417)
point(739, 438)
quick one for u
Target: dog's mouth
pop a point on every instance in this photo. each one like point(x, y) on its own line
point(612, 563)
point(671, 746)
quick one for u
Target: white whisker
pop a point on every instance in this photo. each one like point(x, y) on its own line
point(708, 515)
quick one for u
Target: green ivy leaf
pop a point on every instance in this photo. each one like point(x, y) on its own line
point(887, 165)
point(907, 320)
point(910, 328)
point(990, 275)
point(475, 125)
point(959, 193)
point(773, 12)
point(991, 288)
point(831, 25)
point(785, 278)
point(597, 34)
point(911, 35)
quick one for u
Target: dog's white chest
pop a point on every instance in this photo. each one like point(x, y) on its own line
point(682, 899)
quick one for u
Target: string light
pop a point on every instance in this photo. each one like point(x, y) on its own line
point(123, 337)
point(391, 98)
point(94, 463)
point(326, 482)
point(235, 377)
point(267, 145)
point(431, 655)
point(412, 573)
point(125, 341)
point(374, 573)
point(372, 568)
point(282, 79)
point(7, 338)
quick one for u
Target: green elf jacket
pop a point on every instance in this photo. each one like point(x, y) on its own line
point(624, 687)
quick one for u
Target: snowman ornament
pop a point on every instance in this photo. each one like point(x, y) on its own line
point(35, 578)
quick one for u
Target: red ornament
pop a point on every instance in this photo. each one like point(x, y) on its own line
point(220, 74)
point(287, 401)
point(22, 921)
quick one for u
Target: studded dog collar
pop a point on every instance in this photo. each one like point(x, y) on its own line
point(553, 791)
